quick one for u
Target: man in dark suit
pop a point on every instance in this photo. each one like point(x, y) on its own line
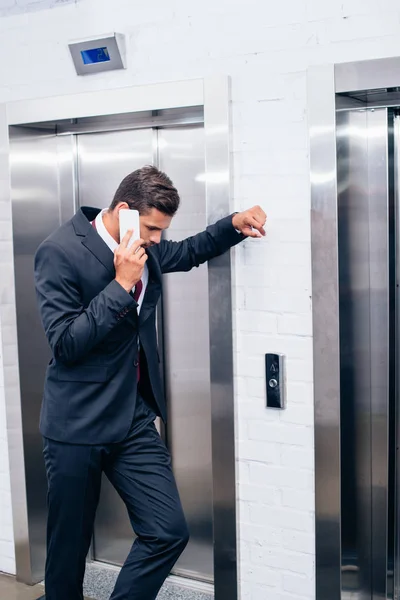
point(97, 300)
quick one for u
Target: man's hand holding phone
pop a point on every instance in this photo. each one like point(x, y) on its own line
point(129, 262)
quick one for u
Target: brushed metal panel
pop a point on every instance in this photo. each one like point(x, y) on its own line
point(392, 354)
point(325, 331)
point(355, 352)
point(154, 96)
point(217, 124)
point(375, 74)
point(35, 180)
point(103, 160)
point(365, 304)
point(187, 352)
point(380, 261)
point(12, 378)
point(397, 365)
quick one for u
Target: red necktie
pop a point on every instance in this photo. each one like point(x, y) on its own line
point(138, 290)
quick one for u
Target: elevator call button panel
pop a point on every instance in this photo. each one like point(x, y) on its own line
point(275, 380)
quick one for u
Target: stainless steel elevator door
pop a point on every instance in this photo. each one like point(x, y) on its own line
point(103, 160)
point(35, 160)
point(187, 352)
point(366, 293)
point(42, 197)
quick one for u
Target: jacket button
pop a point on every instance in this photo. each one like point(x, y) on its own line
point(136, 363)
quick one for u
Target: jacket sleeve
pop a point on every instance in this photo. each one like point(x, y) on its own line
point(71, 329)
point(195, 250)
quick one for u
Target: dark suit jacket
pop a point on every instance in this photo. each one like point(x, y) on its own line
point(92, 326)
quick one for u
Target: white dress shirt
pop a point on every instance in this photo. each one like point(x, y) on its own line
point(112, 244)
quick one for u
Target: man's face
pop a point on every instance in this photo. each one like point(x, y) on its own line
point(152, 225)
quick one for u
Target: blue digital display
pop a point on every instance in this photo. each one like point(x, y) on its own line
point(95, 56)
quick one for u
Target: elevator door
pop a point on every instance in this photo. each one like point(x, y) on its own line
point(103, 159)
point(187, 355)
point(367, 286)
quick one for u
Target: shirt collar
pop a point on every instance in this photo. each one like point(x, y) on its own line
point(103, 233)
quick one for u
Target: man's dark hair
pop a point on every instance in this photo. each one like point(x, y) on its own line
point(145, 189)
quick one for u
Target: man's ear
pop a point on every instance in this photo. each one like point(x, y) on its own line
point(121, 205)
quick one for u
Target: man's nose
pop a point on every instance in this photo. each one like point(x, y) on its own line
point(156, 238)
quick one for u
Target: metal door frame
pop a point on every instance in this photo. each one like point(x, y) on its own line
point(213, 94)
point(324, 83)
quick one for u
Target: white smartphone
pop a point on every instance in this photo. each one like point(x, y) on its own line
point(129, 219)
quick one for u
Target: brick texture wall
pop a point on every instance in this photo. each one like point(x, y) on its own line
point(13, 7)
point(266, 48)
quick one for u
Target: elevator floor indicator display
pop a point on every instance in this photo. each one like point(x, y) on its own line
point(98, 55)
point(94, 56)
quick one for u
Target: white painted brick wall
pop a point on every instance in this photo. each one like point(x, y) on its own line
point(12, 7)
point(266, 47)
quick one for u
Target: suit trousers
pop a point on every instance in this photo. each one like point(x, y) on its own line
point(139, 468)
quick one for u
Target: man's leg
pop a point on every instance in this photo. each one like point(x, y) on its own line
point(74, 479)
point(141, 473)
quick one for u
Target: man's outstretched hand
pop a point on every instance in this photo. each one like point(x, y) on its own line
point(250, 222)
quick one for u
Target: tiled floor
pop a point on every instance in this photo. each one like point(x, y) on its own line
point(11, 590)
point(99, 582)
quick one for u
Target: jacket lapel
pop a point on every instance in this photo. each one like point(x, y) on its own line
point(94, 243)
point(90, 238)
